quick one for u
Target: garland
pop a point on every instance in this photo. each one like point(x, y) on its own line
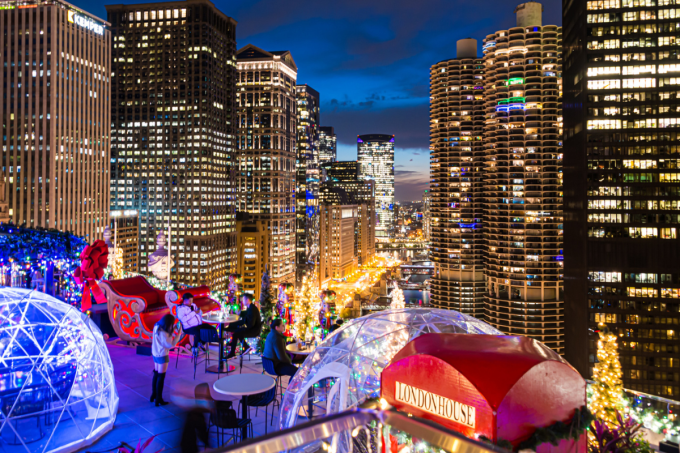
point(552, 434)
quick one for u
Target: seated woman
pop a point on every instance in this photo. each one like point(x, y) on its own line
point(189, 316)
point(275, 350)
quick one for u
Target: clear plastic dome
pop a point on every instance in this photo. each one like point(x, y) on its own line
point(349, 362)
point(57, 389)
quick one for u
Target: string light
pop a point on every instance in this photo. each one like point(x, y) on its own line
point(306, 309)
point(397, 298)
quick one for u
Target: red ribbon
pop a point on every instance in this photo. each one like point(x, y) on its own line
point(93, 261)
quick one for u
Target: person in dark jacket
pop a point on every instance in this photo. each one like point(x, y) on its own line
point(275, 350)
point(336, 325)
point(249, 325)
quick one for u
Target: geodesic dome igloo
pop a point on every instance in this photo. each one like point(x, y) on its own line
point(354, 355)
point(57, 389)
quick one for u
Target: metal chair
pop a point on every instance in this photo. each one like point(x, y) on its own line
point(264, 400)
point(254, 348)
point(206, 337)
point(222, 414)
point(224, 418)
point(269, 368)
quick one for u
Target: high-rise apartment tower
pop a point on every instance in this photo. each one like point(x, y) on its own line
point(523, 180)
point(307, 180)
point(267, 120)
point(375, 154)
point(56, 63)
point(496, 179)
point(622, 187)
point(173, 119)
point(328, 145)
point(457, 181)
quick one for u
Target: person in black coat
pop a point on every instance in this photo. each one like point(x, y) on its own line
point(275, 350)
point(338, 323)
point(249, 325)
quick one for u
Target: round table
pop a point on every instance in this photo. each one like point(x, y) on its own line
point(223, 319)
point(293, 349)
point(243, 385)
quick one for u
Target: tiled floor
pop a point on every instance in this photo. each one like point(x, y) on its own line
point(138, 419)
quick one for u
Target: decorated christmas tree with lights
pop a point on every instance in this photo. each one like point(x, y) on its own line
point(118, 269)
point(267, 308)
point(397, 298)
point(607, 397)
point(306, 309)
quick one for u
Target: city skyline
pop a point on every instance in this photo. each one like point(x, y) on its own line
point(367, 63)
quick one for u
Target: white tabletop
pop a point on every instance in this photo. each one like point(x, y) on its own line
point(217, 317)
point(244, 384)
point(294, 349)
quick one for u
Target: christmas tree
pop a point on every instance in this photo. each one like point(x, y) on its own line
point(118, 270)
point(397, 298)
point(607, 397)
point(266, 309)
point(306, 310)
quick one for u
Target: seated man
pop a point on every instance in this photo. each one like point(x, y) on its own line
point(275, 350)
point(189, 316)
point(336, 325)
point(248, 326)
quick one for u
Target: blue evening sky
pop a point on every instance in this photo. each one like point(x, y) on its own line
point(370, 60)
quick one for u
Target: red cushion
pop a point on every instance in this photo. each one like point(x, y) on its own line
point(206, 304)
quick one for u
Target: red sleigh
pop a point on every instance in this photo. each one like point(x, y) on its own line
point(134, 306)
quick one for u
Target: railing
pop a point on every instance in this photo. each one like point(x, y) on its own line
point(655, 413)
point(363, 430)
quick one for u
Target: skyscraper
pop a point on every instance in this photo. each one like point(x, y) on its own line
point(347, 170)
point(345, 199)
point(55, 110)
point(375, 154)
point(307, 179)
point(4, 206)
point(267, 119)
point(456, 194)
point(621, 185)
point(328, 145)
point(523, 180)
point(173, 122)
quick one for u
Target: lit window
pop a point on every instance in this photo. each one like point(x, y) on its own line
point(605, 84)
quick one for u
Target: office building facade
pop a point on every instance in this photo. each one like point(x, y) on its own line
point(307, 180)
point(622, 187)
point(4, 206)
point(173, 120)
point(267, 135)
point(455, 223)
point(55, 111)
point(343, 171)
point(523, 180)
point(347, 227)
point(125, 230)
point(252, 243)
point(343, 187)
point(328, 144)
point(375, 155)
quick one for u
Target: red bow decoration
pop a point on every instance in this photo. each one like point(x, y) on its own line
point(93, 261)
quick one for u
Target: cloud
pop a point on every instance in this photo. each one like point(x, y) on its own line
point(369, 59)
